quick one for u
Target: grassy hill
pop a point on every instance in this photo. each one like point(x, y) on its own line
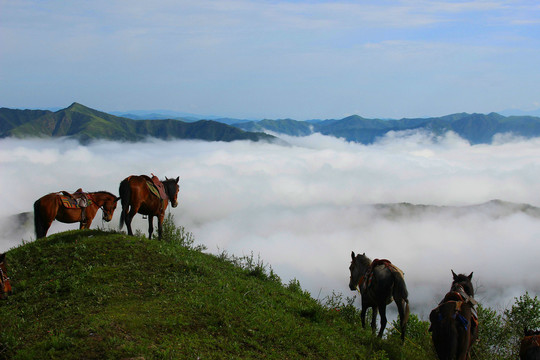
point(92, 294)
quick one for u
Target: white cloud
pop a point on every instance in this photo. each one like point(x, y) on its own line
point(304, 207)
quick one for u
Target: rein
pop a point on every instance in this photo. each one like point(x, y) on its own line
point(90, 196)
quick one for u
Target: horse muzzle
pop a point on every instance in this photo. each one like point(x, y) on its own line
point(174, 204)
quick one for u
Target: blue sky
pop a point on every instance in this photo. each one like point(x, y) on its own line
point(272, 59)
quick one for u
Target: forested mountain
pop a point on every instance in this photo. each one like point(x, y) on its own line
point(476, 128)
point(85, 124)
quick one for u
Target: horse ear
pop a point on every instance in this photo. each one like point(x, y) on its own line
point(454, 275)
point(470, 276)
point(117, 198)
point(177, 179)
point(352, 255)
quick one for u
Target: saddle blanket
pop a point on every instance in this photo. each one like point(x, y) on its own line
point(153, 189)
point(71, 203)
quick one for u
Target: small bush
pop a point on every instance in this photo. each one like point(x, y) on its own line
point(173, 233)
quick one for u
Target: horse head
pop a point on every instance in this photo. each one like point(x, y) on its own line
point(464, 282)
point(5, 285)
point(359, 265)
point(172, 188)
point(108, 203)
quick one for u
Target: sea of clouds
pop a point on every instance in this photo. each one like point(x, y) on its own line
point(304, 207)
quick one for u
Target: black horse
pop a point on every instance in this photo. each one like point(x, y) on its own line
point(379, 282)
point(530, 345)
point(454, 323)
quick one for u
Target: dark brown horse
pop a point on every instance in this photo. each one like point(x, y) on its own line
point(530, 345)
point(5, 285)
point(51, 206)
point(454, 323)
point(379, 282)
point(138, 198)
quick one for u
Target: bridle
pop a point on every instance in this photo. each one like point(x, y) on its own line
point(102, 207)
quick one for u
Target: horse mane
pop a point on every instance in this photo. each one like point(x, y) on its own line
point(364, 259)
point(102, 192)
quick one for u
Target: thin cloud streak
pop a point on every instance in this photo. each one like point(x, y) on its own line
point(303, 208)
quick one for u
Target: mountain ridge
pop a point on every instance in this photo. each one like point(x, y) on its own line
point(86, 124)
point(475, 128)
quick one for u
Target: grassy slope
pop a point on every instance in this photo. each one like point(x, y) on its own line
point(99, 295)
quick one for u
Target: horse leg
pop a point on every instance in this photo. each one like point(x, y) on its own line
point(374, 319)
point(44, 229)
point(150, 226)
point(363, 316)
point(129, 216)
point(160, 225)
point(382, 312)
point(87, 223)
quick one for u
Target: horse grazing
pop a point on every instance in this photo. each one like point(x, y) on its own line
point(379, 282)
point(62, 207)
point(454, 323)
point(530, 345)
point(138, 196)
point(5, 285)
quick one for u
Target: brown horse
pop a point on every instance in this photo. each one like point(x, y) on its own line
point(530, 345)
point(5, 285)
point(50, 207)
point(379, 283)
point(137, 198)
point(454, 323)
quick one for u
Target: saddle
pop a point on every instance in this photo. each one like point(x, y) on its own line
point(157, 188)
point(76, 200)
point(366, 279)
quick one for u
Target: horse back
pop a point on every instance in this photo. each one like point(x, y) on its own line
point(134, 191)
point(380, 286)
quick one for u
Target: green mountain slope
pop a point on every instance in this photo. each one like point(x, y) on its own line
point(99, 295)
point(85, 124)
point(11, 118)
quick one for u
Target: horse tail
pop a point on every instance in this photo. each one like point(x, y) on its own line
point(401, 297)
point(125, 196)
point(39, 226)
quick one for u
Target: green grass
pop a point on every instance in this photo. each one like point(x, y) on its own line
point(91, 294)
